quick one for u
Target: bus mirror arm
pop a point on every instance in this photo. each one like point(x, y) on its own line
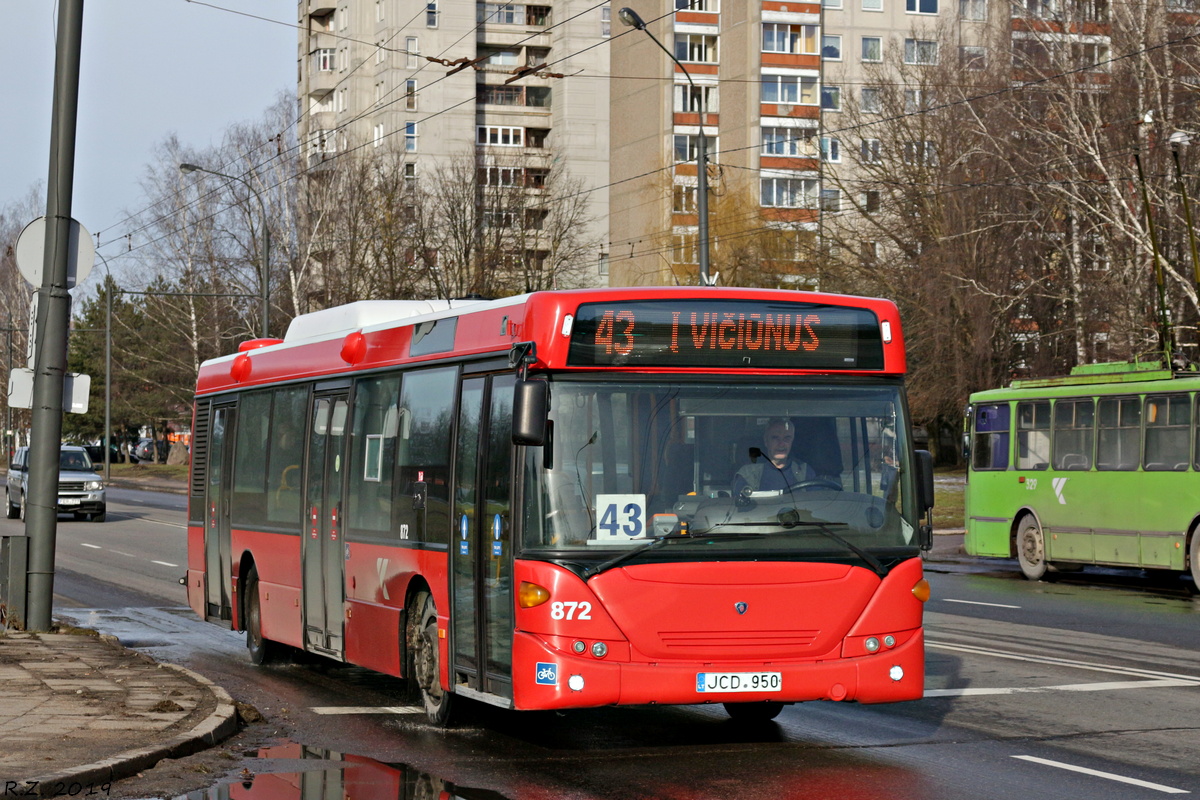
point(924, 463)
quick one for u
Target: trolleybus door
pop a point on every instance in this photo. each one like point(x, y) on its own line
point(217, 569)
point(481, 543)
point(323, 549)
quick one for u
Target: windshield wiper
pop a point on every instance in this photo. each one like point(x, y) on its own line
point(621, 559)
point(790, 518)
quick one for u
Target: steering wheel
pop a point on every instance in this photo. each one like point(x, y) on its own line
point(825, 483)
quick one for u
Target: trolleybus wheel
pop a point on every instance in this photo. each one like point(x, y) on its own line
point(427, 672)
point(1031, 548)
point(753, 712)
point(262, 650)
point(1194, 560)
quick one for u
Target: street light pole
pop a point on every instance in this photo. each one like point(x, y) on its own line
point(264, 278)
point(631, 18)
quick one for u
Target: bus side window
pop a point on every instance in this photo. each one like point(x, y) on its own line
point(1168, 425)
point(1033, 435)
point(1073, 434)
point(1118, 433)
point(423, 453)
point(989, 446)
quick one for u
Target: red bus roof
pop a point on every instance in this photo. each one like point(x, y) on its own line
point(678, 329)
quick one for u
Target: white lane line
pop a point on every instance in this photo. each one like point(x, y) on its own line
point(977, 603)
point(1108, 686)
point(165, 563)
point(1064, 662)
point(1158, 787)
point(127, 555)
point(93, 546)
point(330, 710)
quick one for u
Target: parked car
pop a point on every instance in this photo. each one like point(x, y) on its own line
point(145, 451)
point(96, 453)
point(80, 488)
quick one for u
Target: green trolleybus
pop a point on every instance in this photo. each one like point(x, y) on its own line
point(1098, 467)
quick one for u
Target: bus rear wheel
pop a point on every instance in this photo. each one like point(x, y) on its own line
point(1031, 548)
point(262, 650)
point(1194, 560)
point(426, 660)
point(753, 712)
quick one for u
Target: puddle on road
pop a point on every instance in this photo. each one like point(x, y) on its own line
point(310, 773)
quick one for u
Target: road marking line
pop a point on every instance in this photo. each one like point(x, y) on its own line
point(1158, 787)
point(977, 603)
point(129, 555)
point(1069, 687)
point(1065, 662)
point(93, 546)
point(165, 563)
point(366, 710)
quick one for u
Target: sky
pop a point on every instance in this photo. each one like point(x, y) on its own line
point(149, 68)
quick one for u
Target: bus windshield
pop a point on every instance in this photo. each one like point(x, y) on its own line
point(751, 468)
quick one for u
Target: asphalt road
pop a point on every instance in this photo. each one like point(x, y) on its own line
point(1088, 687)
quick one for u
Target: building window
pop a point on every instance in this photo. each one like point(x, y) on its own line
point(1090, 56)
point(501, 176)
point(791, 142)
point(831, 48)
point(1045, 9)
point(502, 13)
point(872, 5)
point(685, 248)
point(602, 264)
point(920, 52)
point(339, 101)
point(606, 21)
point(831, 98)
point(431, 15)
point(378, 134)
point(688, 97)
point(789, 192)
point(379, 10)
point(972, 9)
point(380, 53)
point(683, 198)
point(920, 153)
point(698, 48)
point(831, 200)
point(697, 5)
point(970, 57)
point(344, 59)
point(831, 3)
point(831, 150)
point(872, 100)
point(918, 100)
point(789, 89)
point(687, 147)
point(410, 137)
point(323, 59)
point(921, 6)
point(324, 141)
point(870, 151)
point(410, 95)
point(414, 53)
point(410, 177)
point(872, 49)
point(792, 39)
point(871, 201)
point(499, 135)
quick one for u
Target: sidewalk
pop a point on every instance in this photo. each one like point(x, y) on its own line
point(81, 709)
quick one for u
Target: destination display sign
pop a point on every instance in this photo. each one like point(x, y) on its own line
point(746, 334)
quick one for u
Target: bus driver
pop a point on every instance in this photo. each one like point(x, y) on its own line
point(773, 468)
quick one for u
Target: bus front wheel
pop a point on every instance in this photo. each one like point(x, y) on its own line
point(427, 671)
point(1031, 548)
point(262, 650)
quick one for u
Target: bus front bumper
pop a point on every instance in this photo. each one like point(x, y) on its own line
point(545, 678)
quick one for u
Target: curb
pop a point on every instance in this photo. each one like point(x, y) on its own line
point(218, 726)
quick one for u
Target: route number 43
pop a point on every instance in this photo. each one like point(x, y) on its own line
point(620, 517)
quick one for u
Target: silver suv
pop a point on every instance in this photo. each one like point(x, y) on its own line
point(80, 489)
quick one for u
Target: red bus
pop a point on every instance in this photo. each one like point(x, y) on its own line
point(562, 499)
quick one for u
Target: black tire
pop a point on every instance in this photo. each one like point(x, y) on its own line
point(1194, 561)
point(100, 516)
point(262, 650)
point(1031, 548)
point(14, 512)
point(753, 712)
point(426, 661)
point(21, 510)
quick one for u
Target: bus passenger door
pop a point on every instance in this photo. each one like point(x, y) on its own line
point(481, 542)
point(323, 551)
point(217, 567)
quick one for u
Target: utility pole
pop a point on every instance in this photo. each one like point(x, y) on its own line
point(53, 319)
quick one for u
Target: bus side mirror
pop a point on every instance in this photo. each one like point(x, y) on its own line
point(531, 407)
point(924, 464)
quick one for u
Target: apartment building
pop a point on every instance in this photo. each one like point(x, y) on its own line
point(754, 69)
point(523, 88)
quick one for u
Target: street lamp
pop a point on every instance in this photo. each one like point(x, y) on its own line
point(264, 280)
point(630, 17)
